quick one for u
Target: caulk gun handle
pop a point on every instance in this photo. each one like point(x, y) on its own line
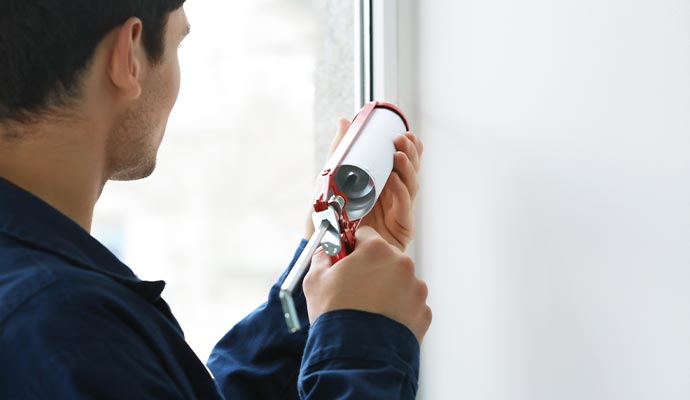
point(347, 240)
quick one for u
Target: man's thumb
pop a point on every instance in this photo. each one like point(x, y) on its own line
point(320, 260)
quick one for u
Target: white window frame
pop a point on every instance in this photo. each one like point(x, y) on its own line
point(376, 56)
point(376, 51)
point(377, 75)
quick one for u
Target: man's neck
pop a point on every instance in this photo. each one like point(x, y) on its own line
point(63, 167)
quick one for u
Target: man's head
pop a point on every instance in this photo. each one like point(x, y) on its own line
point(110, 64)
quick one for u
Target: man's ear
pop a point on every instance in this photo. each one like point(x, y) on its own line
point(125, 58)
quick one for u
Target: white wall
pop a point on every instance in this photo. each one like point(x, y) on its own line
point(555, 213)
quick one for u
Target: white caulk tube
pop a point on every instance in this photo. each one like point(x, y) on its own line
point(367, 165)
point(358, 170)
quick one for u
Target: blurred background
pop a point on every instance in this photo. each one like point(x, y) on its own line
point(222, 215)
point(555, 209)
point(554, 218)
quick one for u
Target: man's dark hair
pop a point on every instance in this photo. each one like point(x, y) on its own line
point(45, 45)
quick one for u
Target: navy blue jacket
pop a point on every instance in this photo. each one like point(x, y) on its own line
point(77, 323)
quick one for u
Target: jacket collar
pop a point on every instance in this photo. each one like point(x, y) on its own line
point(34, 222)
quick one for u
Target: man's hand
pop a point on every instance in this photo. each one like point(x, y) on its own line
point(393, 214)
point(376, 277)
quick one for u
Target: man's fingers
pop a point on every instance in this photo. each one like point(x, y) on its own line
point(399, 191)
point(407, 173)
point(417, 142)
point(343, 126)
point(364, 234)
point(387, 199)
point(400, 218)
point(404, 144)
point(320, 261)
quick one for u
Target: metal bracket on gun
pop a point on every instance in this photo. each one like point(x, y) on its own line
point(327, 235)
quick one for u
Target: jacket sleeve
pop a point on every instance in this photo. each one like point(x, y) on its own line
point(259, 358)
point(346, 354)
point(358, 355)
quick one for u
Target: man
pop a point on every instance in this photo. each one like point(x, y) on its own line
point(86, 87)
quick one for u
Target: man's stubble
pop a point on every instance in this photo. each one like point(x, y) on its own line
point(134, 142)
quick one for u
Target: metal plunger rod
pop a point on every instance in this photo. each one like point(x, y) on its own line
point(294, 278)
